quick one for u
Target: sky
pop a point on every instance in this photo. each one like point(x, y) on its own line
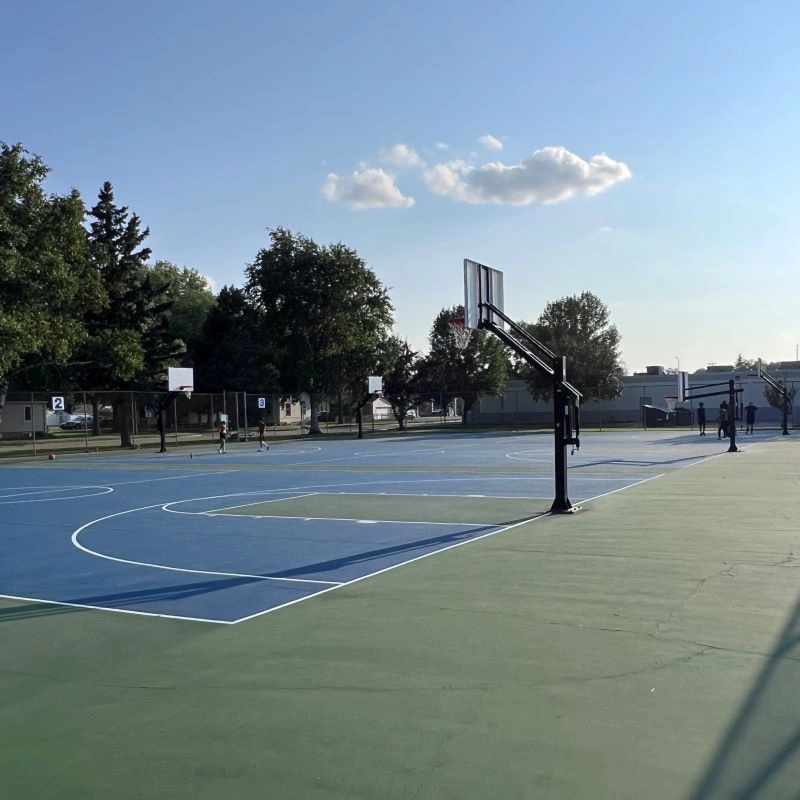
point(639, 150)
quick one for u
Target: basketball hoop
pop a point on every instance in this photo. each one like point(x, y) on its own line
point(187, 391)
point(459, 333)
point(670, 401)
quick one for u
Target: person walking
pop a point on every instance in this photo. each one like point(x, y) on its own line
point(262, 429)
point(701, 419)
point(750, 416)
point(223, 435)
point(722, 427)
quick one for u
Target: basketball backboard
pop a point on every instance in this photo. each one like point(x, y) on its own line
point(180, 379)
point(375, 384)
point(683, 386)
point(483, 286)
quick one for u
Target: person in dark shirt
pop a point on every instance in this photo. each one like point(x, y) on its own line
point(722, 428)
point(701, 419)
point(750, 416)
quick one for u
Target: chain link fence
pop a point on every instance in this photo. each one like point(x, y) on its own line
point(36, 423)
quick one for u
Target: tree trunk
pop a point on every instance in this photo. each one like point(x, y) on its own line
point(340, 408)
point(122, 413)
point(314, 424)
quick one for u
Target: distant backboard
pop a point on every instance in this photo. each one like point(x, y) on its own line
point(375, 384)
point(181, 379)
point(482, 285)
point(683, 386)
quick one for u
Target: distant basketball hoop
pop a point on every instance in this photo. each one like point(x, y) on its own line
point(670, 401)
point(459, 333)
point(187, 391)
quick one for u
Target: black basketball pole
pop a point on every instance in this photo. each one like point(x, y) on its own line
point(732, 448)
point(561, 503)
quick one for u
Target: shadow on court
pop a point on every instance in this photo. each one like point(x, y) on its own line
point(124, 599)
point(418, 546)
point(759, 757)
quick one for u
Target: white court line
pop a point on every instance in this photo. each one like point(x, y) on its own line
point(434, 553)
point(214, 511)
point(356, 519)
point(106, 490)
point(76, 534)
point(116, 610)
point(333, 586)
point(175, 477)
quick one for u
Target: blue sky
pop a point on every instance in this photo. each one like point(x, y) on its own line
point(215, 121)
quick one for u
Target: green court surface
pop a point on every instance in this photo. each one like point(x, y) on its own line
point(647, 647)
point(396, 507)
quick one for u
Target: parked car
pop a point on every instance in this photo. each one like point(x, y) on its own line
point(79, 422)
point(411, 414)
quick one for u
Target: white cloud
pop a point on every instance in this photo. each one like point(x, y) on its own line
point(442, 146)
point(367, 187)
point(491, 142)
point(549, 175)
point(210, 283)
point(401, 155)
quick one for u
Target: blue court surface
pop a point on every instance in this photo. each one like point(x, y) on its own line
point(222, 538)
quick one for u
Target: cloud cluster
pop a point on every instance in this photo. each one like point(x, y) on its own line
point(546, 176)
point(549, 175)
point(491, 142)
point(401, 155)
point(367, 187)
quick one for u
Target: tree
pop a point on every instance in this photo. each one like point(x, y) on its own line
point(232, 351)
point(775, 396)
point(578, 327)
point(401, 383)
point(130, 344)
point(481, 367)
point(192, 301)
point(319, 304)
point(46, 286)
point(751, 365)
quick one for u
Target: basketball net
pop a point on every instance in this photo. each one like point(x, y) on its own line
point(670, 401)
point(459, 333)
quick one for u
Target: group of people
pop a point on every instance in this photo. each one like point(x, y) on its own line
point(222, 432)
point(724, 421)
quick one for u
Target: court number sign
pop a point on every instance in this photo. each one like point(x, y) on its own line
point(58, 403)
point(262, 402)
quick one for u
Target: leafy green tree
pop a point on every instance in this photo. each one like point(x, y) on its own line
point(579, 328)
point(131, 342)
point(401, 383)
point(319, 304)
point(775, 397)
point(479, 368)
point(232, 351)
point(192, 301)
point(751, 365)
point(46, 285)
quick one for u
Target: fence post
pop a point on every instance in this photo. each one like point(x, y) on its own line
point(85, 426)
point(133, 420)
point(244, 406)
point(33, 423)
point(175, 418)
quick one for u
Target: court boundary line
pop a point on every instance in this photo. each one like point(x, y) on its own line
point(118, 610)
point(347, 583)
point(436, 552)
point(360, 521)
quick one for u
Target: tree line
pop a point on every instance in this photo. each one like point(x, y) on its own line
point(84, 306)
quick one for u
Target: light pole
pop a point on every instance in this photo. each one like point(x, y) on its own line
point(679, 363)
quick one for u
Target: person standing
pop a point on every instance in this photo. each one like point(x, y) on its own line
point(722, 428)
point(750, 416)
point(701, 419)
point(223, 435)
point(262, 429)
